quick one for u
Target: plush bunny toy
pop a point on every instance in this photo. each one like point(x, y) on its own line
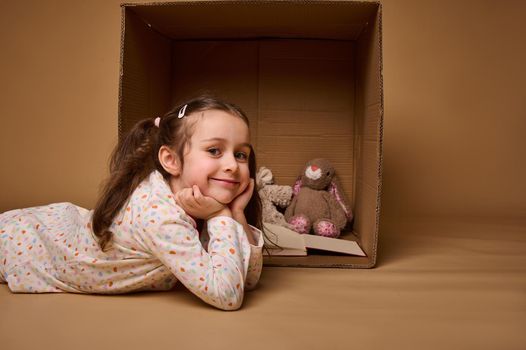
point(319, 202)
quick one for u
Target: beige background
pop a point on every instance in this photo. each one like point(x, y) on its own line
point(455, 104)
point(452, 254)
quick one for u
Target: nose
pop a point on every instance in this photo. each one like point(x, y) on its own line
point(230, 163)
point(314, 167)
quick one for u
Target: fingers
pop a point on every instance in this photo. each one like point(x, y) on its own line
point(241, 201)
point(201, 200)
point(185, 197)
point(196, 204)
point(249, 189)
point(198, 196)
point(251, 186)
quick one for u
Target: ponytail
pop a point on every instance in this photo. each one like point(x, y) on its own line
point(131, 162)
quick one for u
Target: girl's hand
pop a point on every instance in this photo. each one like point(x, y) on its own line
point(239, 203)
point(195, 204)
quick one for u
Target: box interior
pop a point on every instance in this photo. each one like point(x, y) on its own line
point(308, 75)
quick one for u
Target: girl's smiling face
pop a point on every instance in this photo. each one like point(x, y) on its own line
point(216, 158)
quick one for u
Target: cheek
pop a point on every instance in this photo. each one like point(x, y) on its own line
point(197, 176)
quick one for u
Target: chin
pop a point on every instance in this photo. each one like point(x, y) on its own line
point(222, 197)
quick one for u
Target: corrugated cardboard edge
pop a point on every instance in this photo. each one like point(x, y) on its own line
point(244, 2)
point(121, 69)
point(314, 265)
point(380, 136)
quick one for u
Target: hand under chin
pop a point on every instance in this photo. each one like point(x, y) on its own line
point(224, 199)
point(224, 196)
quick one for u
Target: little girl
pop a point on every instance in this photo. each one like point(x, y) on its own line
point(168, 177)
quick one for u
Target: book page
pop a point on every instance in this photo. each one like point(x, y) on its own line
point(283, 237)
point(333, 244)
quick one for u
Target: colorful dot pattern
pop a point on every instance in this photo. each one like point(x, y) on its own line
point(155, 243)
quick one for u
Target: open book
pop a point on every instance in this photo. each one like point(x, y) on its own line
point(296, 244)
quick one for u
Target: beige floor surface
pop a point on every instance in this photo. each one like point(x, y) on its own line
point(456, 285)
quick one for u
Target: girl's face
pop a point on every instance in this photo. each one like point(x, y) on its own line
point(216, 159)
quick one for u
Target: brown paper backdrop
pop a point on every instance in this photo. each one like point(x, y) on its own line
point(455, 105)
point(455, 111)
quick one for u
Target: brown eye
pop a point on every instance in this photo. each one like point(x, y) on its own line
point(214, 151)
point(241, 156)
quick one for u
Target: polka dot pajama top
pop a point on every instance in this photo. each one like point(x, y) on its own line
point(154, 244)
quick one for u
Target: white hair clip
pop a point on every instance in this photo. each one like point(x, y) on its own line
point(157, 121)
point(182, 111)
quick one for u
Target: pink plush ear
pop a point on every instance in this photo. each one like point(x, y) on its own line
point(296, 187)
point(336, 191)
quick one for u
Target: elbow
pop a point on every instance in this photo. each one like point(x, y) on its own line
point(234, 307)
point(250, 285)
point(230, 303)
point(229, 298)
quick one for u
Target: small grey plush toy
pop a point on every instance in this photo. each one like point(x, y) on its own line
point(272, 196)
point(319, 202)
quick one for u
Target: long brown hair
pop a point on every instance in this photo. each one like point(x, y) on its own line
point(136, 156)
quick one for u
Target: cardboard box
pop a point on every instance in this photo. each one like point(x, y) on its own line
point(307, 73)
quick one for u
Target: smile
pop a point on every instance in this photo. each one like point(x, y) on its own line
point(226, 182)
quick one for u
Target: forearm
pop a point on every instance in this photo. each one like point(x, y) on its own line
point(240, 217)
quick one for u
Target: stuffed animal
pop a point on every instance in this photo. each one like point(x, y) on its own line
point(319, 202)
point(272, 196)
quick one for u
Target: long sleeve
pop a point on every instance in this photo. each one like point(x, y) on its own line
point(217, 276)
point(255, 264)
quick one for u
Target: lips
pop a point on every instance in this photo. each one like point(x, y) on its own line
point(225, 182)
